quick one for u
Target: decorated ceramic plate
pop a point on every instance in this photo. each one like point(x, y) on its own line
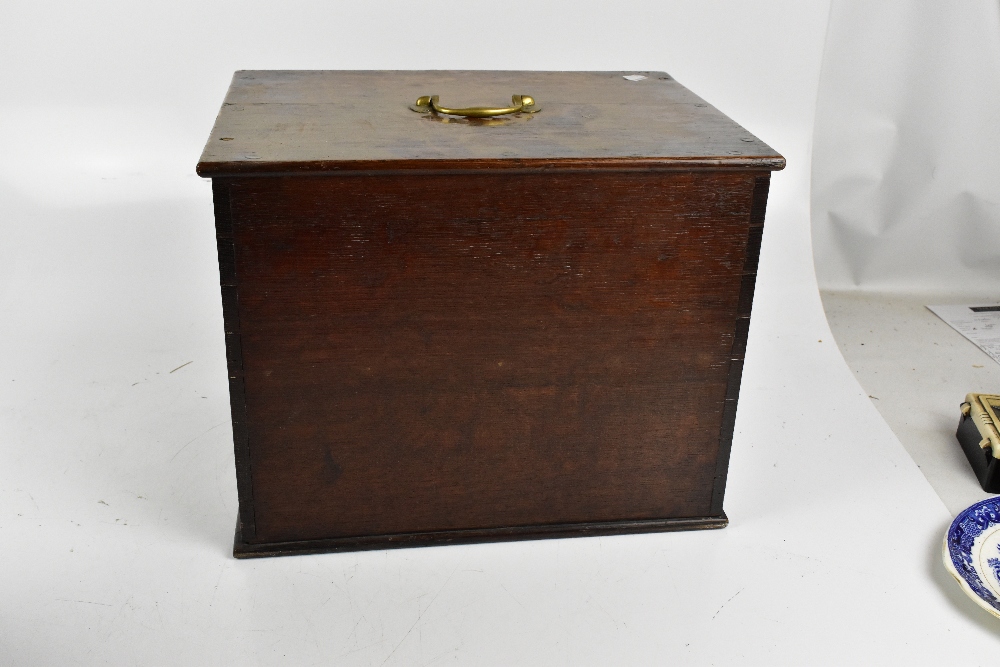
point(972, 553)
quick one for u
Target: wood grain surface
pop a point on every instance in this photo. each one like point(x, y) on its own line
point(428, 353)
point(322, 121)
point(446, 330)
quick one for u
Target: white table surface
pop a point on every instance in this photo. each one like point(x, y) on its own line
point(118, 498)
point(916, 371)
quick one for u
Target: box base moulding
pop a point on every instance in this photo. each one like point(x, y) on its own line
point(242, 549)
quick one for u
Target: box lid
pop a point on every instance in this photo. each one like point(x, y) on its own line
point(323, 121)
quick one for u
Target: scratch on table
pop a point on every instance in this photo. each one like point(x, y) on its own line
point(196, 437)
point(511, 595)
point(181, 366)
point(217, 582)
point(85, 602)
point(354, 631)
point(613, 619)
point(30, 496)
point(420, 615)
point(726, 602)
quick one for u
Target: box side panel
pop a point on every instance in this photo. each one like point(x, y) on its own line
point(471, 351)
point(755, 234)
point(234, 352)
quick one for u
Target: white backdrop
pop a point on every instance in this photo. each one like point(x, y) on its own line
point(906, 170)
point(117, 492)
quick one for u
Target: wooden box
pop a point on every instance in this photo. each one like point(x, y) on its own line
point(445, 329)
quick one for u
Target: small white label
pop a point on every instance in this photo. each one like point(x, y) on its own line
point(634, 77)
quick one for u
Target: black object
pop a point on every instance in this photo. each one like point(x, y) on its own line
point(986, 467)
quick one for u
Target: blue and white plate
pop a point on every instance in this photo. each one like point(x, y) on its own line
point(972, 553)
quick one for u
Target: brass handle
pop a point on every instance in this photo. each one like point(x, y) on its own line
point(521, 103)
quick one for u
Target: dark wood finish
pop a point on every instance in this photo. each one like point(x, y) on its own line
point(234, 353)
point(755, 234)
point(244, 549)
point(465, 357)
point(306, 121)
point(530, 331)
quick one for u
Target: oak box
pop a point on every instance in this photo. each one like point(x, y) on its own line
point(468, 324)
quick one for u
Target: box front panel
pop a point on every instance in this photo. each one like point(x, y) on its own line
point(441, 352)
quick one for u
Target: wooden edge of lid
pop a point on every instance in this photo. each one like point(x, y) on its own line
point(247, 168)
